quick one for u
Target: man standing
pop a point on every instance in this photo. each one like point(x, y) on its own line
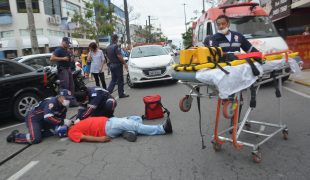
point(116, 66)
point(62, 56)
point(47, 115)
point(229, 41)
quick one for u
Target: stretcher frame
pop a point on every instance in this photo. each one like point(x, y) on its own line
point(245, 123)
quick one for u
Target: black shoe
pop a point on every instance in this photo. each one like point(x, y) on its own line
point(167, 126)
point(11, 137)
point(130, 136)
point(124, 96)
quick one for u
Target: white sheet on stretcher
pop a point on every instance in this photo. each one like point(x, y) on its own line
point(239, 77)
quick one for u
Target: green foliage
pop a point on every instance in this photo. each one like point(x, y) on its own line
point(188, 37)
point(94, 24)
point(149, 36)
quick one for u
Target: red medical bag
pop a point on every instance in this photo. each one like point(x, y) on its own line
point(153, 107)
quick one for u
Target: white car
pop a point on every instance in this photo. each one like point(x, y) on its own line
point(149, 63)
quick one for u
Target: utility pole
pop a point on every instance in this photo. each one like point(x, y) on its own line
point(185, 17)
point(127, 23)
point(203, 6)
point(32, 28)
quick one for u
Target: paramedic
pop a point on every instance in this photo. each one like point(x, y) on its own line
point(95, 101)
point(43, 118)
point(229, 41)
point(102, 129)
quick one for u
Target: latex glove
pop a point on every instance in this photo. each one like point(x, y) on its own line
point(61, 131)
point(67, 122)
point(76, 121)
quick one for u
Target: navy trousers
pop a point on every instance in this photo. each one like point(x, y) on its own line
point(117, 74)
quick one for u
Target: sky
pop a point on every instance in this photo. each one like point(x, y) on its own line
point(167, 14)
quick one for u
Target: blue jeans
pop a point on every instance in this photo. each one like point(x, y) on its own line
point(117, 126)
point(117, 74)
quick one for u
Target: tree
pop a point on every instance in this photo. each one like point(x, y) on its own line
point(97, 20)
point(188, 37)
point(149, 36)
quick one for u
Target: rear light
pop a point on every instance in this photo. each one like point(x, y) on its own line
point(44, 79)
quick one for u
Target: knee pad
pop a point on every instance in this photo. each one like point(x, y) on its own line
point(110, 105)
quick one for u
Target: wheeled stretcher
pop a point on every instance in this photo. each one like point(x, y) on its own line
point(230, 97)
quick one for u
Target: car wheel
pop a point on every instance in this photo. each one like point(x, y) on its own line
point(23, 105)
point(130, 84)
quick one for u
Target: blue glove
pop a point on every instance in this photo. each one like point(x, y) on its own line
point(61, 131)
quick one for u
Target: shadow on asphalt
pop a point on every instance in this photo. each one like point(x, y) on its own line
point(8, 121)
point(147, 85)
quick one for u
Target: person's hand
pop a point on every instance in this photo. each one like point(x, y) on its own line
point(106, 139)
point(66, 58)
point(126, 67)
point(67, 122)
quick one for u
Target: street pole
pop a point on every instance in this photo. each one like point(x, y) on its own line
point(127, 23)
point(149, 17)
point(203, 6)
point(185, 17)
point(32, 28)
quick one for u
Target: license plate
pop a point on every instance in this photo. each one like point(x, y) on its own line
point(154, 72)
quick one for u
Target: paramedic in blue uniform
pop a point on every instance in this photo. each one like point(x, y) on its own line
point(44, 117)
point(229, 41)
point(95, 101)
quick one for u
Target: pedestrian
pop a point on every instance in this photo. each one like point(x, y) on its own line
point(229, 41)
point(307, 31)
point(102, 129)
point(97, 61)
point(95, 101)
point(85, 64)
point(116, 66)
point(62, 56)
point(43, 119)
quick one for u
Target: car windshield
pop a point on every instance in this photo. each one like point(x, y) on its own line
point(146, 51)
point(253, 26)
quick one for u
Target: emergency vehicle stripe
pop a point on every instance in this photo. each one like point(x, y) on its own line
point(54, 120)
point(99, 89)
point(81, 107)
point(91, 106)
point(224, 45)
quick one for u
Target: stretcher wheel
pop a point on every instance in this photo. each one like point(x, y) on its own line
point(285, 134)
point(216, 146)
point(257, 156)
point(229, 109)
point(185, 103)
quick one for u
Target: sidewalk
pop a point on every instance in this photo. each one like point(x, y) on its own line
point(301, 78)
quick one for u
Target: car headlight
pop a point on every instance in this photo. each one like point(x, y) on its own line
point(133, 66)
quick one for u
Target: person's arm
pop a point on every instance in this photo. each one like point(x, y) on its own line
point(95, 139)
point(88, 57)
point(55, 58)
point(247, 46)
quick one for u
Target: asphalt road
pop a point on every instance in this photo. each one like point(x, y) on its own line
point(176, 156)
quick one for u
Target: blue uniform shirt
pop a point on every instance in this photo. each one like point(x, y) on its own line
point(61, 52)
point(237, 41)
point(112, 52)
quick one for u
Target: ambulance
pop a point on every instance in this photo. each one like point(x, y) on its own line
point(248, 19)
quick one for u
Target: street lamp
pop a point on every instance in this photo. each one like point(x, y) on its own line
point(185, 17)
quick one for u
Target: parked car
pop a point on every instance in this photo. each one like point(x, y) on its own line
point(36, 60)
point(21, 87)
point(147, 64)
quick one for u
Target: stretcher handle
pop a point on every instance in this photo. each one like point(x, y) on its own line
point(278, 52)
point(234, 132)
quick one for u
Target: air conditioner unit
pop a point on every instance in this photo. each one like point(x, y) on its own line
point(57, 19)
point(51, 20)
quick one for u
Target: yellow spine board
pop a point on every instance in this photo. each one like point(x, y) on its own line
point(279, 56)
point(200, 55)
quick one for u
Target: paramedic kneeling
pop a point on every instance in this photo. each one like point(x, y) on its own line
point(229, 41)
point(102, 129)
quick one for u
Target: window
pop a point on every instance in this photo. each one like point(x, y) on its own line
point(36, 63)
point(5, 34)
point(55, 33)
point(21, 6)
point(209, 29)
point(9, 69)
point(200, 33)
point(71, 9)
point(52, 7)
point(4, 6)
point(25, 32)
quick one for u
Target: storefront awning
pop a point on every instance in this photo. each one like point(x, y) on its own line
point(42, 42)
point(55, 41)
point(8, 44)
point(84, 42)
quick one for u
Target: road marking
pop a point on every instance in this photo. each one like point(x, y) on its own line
point(11, 126)
point(297, 92)
point(23, 170)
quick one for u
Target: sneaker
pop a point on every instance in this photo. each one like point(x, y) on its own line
point(167, 126)
point(11, 137)
point(130, 136)
point(124, 96)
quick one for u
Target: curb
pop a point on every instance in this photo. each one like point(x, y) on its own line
point(300, 82)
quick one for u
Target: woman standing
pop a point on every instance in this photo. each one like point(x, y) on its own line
point(97, 61)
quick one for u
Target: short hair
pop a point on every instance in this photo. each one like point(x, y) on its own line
point(93, 45)
point(114, 37)
point(222, 17)
point(80, 96)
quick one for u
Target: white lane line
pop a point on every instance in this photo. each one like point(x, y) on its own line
point(11, 126)
point(297, 92)
point(23, 170)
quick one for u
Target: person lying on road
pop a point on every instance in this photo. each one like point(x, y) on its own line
point(44, 118)
point(102, 129)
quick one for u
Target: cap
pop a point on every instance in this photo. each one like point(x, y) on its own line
point(67, 40)
point(66, 93)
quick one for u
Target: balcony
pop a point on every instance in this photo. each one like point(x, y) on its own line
point(6, 18)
